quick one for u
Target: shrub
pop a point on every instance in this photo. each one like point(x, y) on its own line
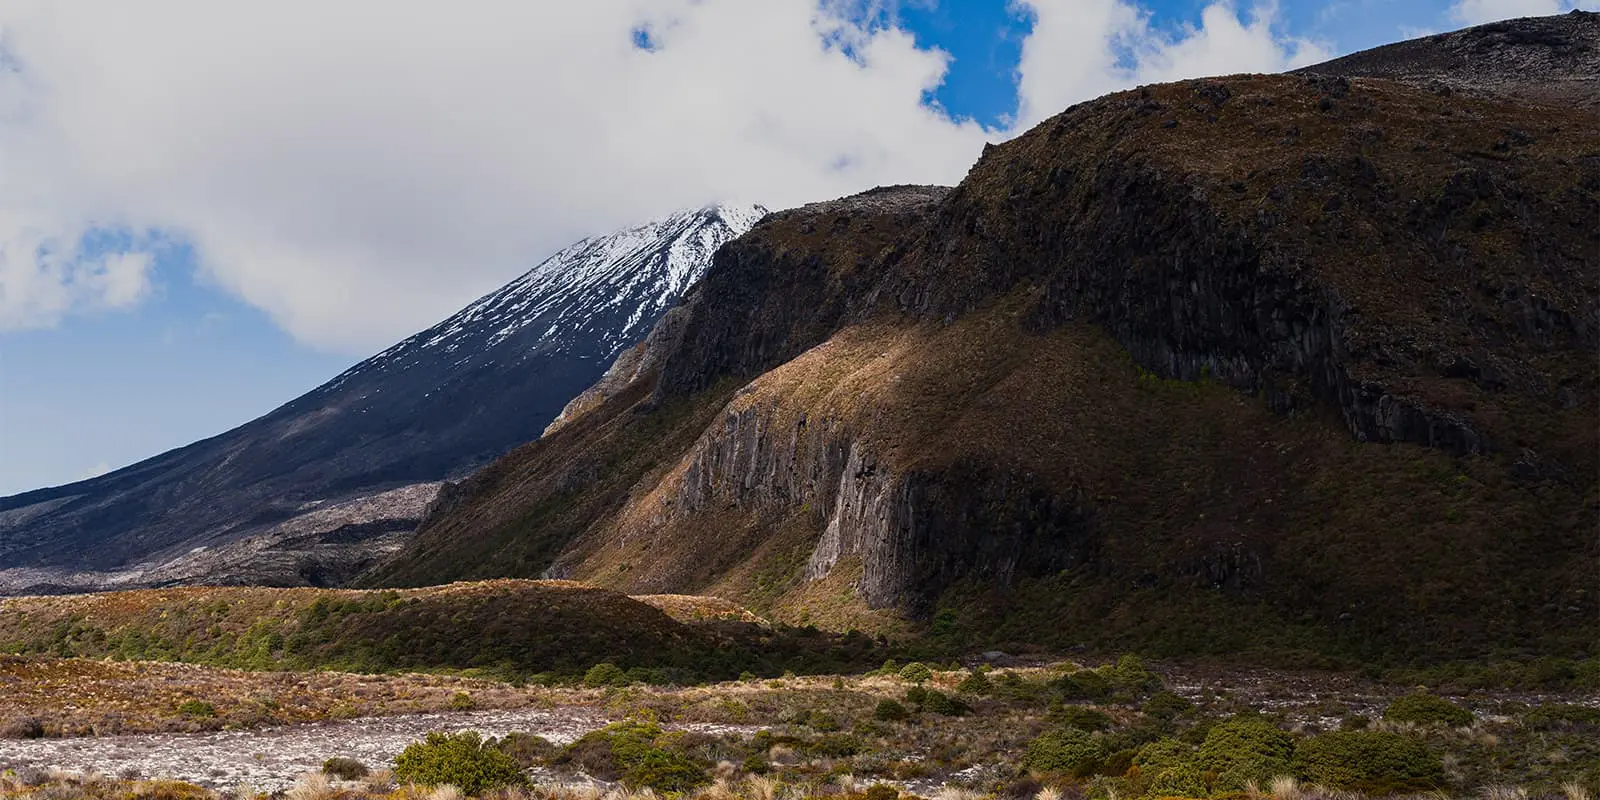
point(1162, 754)
point(22, 728)
point(197, 708)
point(834, 745)
point(605, 674)
point(889, 710)
point(1166, 705)
point(1085, 684)
point(976, 683)
point(882, 791)
point(526, 749)
point(461, 760)
point(663, 771)
point(635, 753)
point(916, 672)
point(345, 769)
point(1065, 750)
point(938, 702)
point(1131, 677)
point(1557, 715)
point(1426, 709)
point(461, 701)
point(1179, 780)
point(1245, 749)
point(1087, 719)
point(1368, 761)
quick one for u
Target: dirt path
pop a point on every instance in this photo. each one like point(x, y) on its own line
point(271, 758)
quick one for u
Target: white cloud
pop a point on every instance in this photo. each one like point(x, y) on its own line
point(359, 169)
point(1085, 48)
point(94, 472)
point(1476, 12)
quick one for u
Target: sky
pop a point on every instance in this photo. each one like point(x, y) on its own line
point(207, 209)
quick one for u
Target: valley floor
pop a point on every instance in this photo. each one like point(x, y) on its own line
point(1001, 732)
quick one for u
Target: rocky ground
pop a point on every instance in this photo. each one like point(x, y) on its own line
point(271, 759)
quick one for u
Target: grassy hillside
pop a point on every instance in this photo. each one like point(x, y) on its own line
point(504, 629)
point(1294, 367)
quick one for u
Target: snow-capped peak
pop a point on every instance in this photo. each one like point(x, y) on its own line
point(593, 298)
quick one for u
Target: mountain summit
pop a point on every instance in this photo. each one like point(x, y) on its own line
point(314, 489)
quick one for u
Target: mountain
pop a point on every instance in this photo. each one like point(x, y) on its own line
point(315, 490)
point(1294, 365)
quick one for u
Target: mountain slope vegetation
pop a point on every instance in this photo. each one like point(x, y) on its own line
point(1299, 364)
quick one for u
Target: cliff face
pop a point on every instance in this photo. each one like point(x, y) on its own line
point(1288, 361)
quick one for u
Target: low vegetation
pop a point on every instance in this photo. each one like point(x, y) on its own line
point(519, 631)
point(1018, 732)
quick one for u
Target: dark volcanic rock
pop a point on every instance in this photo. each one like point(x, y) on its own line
point(1551, 58)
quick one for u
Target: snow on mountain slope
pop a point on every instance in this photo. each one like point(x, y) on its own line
point(435, 406)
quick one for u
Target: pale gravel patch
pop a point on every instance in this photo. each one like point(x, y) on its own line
point(269, 759)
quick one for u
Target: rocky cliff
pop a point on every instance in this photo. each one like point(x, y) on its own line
point(1299, 362)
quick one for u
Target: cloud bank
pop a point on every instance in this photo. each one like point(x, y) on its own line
point(359, 169)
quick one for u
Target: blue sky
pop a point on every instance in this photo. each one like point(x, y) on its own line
point(99, 379)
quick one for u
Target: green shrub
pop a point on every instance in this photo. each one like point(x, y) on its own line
point(637, 754)
point(461, 701)
point(1163, 754)
point(1068, 751)
point(664, 771)
point(197, 708)
point(1085, 684)
point(1087, 719)
point(916, 672)
point(461, 760)
point(976, 683)
point(1368, 761)
point(1426, 709)
point(1166, 705)
point(1129, 676)
point(1245, 749)
point(882, 791)
point(605, 674)
point(1179, 780)
point(937, 702)
point(345, 769)
point(890, 710)
point(1557, 715)
point(526, 749)
point(822, 721)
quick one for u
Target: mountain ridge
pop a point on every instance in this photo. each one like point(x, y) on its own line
point(1297, 362)
point(374, 441)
